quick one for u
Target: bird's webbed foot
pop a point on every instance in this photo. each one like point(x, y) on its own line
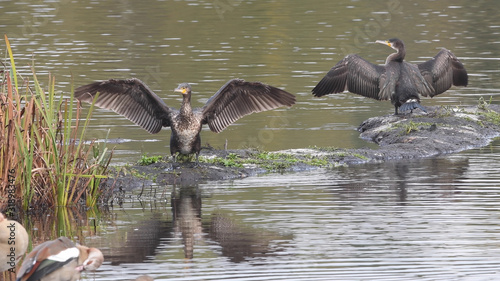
point(410, 105)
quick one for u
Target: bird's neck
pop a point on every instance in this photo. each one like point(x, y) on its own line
point(186, 105)
point(399, 56)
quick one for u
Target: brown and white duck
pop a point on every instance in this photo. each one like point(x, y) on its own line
point(59, 260)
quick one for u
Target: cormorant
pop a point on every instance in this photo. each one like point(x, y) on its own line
point(134, 100)
point(397, 80)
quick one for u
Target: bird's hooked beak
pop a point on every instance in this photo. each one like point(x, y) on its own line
point(182, 90)
point(384, 42)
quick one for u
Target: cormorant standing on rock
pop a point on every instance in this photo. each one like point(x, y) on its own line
point(397, 80)
point(134, 100)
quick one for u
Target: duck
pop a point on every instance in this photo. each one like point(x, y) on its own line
point(399, 81)
point(14, 242)
point(136, 101)
point(59, 260)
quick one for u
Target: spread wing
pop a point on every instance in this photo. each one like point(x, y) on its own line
point(443, 71)
point(130, 98)
point(354, 74)
point(238, 98)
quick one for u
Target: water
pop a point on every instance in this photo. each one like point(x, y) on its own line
point(430, 219)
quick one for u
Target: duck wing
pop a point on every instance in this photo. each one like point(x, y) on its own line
point(46, 258)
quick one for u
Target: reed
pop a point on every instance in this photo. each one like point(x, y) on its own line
point(42, 162)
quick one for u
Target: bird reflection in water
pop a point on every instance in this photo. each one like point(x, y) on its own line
point(186, 209)
point(237, 240)
point(240, 242)
point(140, 241)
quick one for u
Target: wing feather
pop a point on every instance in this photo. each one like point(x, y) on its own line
point(238, 98)
point(353, 74)
point(130, 98)
point(443, 71)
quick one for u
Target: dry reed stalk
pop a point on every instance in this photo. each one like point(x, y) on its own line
point(39, 147)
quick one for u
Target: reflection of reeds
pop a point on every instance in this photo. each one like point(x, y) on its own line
point(41, 160)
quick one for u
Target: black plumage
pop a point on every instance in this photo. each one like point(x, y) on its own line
point(401, 82)
point(134, 100)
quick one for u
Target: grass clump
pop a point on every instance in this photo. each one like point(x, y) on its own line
point(409, 127)
point(490, 116)
point(148, 160)
point(362, 157)
point(448, 110)
point(41, 160)
point(482, 104)
point(231, 160)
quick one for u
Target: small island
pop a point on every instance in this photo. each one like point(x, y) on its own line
point(442, 130)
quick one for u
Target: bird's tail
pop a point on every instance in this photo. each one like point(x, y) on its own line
point(411, 105)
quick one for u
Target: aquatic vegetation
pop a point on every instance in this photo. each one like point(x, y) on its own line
point(448, 110)
point(490, 116)
point(362, 157)
point(41, 160)
point(232, 160)
point(317, 161)
point(482, 104)
point(148, 160)
point(142, 175)
point(337, 152)
point(270, 161)
point(409, 127)
point(266, 155)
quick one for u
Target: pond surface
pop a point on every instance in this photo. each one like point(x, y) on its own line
point(429, 219)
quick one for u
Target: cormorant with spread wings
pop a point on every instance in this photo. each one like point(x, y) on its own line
point(401, 82)
point(134, 100)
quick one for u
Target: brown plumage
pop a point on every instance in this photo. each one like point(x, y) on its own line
point(59, 260)
point(397, 80)
point(134, 100)
point(13, 243)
